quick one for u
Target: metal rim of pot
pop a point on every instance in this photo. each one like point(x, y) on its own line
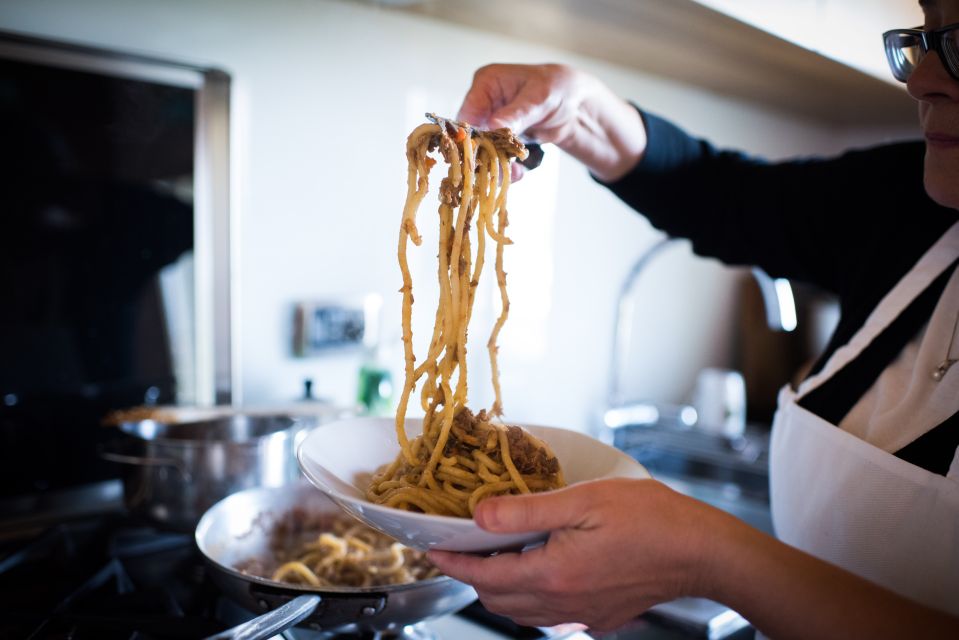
point(210, 459)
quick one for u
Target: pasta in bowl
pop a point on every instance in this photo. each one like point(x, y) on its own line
point(340, 458)
point(420, 480)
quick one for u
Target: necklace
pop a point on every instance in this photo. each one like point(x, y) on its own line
point(939, 372)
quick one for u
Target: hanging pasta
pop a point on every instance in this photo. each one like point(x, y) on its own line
point(459, 458)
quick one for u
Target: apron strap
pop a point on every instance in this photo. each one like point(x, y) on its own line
point(835, 397)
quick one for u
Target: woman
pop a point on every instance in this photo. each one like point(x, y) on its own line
point(864, 469)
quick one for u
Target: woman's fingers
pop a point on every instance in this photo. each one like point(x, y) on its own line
point(558, 104)
point(516, 96)
point(560, 509)
point(501, 572)
point(493, 86)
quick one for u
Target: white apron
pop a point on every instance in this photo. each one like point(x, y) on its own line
point(852, 504)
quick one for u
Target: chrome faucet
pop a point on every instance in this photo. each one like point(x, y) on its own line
point(780, 307)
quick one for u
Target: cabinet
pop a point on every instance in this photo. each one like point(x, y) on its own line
point(693, 44)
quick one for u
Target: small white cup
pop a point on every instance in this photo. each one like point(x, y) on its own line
point(720, 402)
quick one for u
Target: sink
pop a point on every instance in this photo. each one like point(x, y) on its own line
point(730, 474)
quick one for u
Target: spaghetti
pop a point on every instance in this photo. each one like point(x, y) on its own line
point(322, 550)
point(459, 458)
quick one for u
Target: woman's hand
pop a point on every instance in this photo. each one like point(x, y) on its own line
point(616, 548)
point(555, 103)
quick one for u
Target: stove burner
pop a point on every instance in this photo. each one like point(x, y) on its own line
point(104, 578)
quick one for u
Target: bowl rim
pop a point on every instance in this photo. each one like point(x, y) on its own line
point(426, 517)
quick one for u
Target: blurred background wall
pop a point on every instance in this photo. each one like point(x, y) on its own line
point(325, 93)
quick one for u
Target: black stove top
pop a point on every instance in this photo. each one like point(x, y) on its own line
point(106, 576)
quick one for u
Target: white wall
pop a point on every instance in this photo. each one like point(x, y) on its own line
point(325, 93)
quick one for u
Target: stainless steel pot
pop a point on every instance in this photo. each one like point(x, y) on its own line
point(178, 470)
point(239, 527)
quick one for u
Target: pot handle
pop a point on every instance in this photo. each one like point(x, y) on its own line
point(274, 622)
point(123, 458)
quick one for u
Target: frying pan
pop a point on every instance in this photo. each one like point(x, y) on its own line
point(239, 527)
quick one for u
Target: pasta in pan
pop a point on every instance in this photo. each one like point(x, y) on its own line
point(332, 550)
point(459, 458)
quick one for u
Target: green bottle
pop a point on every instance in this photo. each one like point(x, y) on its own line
point(375, 387)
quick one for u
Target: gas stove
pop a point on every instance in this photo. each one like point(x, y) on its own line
point(98, 573)
point(109, 577)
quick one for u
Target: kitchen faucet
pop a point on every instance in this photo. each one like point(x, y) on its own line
point(780, 309)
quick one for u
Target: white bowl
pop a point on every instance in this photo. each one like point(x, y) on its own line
point(339, 458)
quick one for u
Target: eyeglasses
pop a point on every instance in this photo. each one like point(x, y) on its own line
point(905, 49)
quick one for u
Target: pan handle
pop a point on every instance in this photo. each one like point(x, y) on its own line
point(274, 622)
point(336, 610)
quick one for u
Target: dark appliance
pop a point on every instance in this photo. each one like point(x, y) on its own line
point(112, 179)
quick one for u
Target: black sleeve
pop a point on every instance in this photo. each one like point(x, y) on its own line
point(815, 220)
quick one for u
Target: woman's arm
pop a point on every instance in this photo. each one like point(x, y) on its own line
point(815, 220)
point(617, 547)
